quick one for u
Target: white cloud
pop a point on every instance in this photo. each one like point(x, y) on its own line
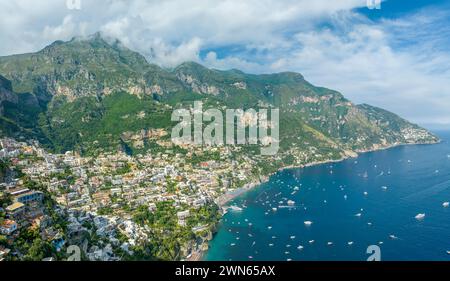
point(171, 56)
point(212, 60)
point(170, 22)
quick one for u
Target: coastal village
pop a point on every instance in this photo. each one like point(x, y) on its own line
point(101, 197)
point(164, 204)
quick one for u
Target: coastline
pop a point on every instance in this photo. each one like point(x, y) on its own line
point(224, 199)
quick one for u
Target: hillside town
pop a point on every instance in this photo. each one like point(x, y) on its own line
point(101, 197)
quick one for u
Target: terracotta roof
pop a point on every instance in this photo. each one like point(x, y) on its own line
point(8, 223)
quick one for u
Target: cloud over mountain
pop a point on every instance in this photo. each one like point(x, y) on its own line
point(397, 63)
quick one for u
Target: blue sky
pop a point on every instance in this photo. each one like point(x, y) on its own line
point(398, 8)
point(397, 57)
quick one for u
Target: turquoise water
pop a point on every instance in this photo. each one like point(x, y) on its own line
point(371, 200)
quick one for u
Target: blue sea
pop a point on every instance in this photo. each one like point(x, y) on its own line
point(375, 199)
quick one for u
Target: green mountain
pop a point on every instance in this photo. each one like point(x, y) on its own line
point(91, 94)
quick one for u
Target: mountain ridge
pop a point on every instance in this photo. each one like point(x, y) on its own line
point(88, 91)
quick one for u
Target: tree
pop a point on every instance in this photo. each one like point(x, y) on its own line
point(38, 250)
point(3, 240)
point(5, 199)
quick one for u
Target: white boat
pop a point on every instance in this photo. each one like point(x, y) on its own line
point(384, 187)
point(300, 247)
point(269, 227)
point(308, 223)
point(350, 243)
point(393, 237)
point(232, 244)
point(330, 243)
point(446, 204)
point(235, 209)
point(448, 252)
point(366, 193)
point(311, 241)
point(270, 245)
point(420, 217)
point(292, 237)
point(358, 215)
point(291, 203)
point(274, 209)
